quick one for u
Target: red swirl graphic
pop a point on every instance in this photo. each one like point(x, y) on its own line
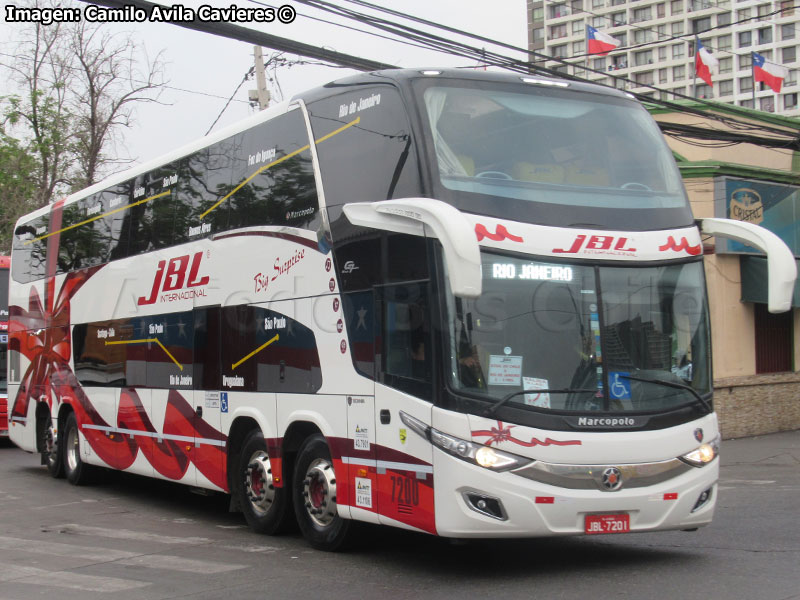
point(500, 234)
point(502, 433)
point(684, 245)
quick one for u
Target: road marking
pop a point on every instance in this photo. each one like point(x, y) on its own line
point(59, 549)
point(64, 579)
point(126, 534)
point(175, 563)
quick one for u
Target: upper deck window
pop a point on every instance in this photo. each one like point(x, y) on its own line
point(549, 146)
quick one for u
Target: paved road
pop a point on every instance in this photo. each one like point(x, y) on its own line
point(132, 538)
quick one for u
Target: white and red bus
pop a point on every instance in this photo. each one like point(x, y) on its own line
point(5, 263)
point(467, 304)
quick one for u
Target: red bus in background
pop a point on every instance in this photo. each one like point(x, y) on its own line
point(5, 263)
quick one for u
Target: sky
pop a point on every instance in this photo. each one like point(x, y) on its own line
point(204, 70)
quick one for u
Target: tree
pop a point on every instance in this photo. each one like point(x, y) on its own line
point(78, 83)
point(16, 186)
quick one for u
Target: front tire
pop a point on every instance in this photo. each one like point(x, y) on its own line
point(264, 505)
point(314, 495)
point(77, 472)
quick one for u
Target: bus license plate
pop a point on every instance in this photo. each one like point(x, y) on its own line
point(596, 524)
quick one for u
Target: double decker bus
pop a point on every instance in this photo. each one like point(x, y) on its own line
point(467, 304)
point(5, 262)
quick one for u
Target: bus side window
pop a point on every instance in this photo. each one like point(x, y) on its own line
point(239, 326)
point(207, 342)
point(170, 359)
point(279, 190)
point(96, 363)
point(406, 353)
point(153, 220)
point(29, 253)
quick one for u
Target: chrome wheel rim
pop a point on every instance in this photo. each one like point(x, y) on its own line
point(319, 492)
point(258, 484)
point(73, 451)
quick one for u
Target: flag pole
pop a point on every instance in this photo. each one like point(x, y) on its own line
point(694, 78)
point(753, 75)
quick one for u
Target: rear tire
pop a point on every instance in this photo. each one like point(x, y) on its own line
point(264, 505)
point(77, 472)
point(314, 495)
point(53, 452)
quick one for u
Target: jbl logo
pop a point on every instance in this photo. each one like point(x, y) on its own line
point(174, 276)
point(606, 243)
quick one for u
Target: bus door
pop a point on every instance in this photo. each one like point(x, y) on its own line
point(404, 363)
point(209, 403)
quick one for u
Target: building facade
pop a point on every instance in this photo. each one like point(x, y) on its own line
point(657, 46)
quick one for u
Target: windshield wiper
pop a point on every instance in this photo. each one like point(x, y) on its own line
point(491, 410)
point(673, 384)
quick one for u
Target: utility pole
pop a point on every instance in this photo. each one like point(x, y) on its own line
point(260, 95)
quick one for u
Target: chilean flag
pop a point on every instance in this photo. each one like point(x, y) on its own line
point(704, 61)
point(770, 73)
point(598, 42)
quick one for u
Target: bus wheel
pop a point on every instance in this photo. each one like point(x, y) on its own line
point(76, 470)
point(53, 451)
point(263, 505)
point(314, 494)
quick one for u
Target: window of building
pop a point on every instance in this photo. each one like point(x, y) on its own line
point(745, 61)
point(724, 43)
point(677, 28)
point(748, 103)
point(767, 54)
point(791, 79)
point(701, 25)
point(787, 8)
point(746, 84)
point(661, 10)
point(644, 78)
point(558, 10)
point(577, 27)
point(765, 35)
point(576, 6)
point(724, 19)
point(662, 53)
point(726, 65)
point(538, 14)
point(598, 3)
point(745, 39)
point(644, 57)
point(598, 22)
point(661, 31)
point(559, 51)
point(726, 87)
point(618, 18)
point(623, 38)
point(678, 73)
point(620, 61)
point(742, 14)
point(599, 64)
point(789, 54)
point(678, 50)
point(789, 101)
point(763, 10)
point(642, 36)
point(578, 47)
point(538, 34)
point(676, 7)
point(774, 340)
point(558, 31)
point(767, 104)
point(641, 14)
point(788, 31)
point(663, 75)
point(705, 91)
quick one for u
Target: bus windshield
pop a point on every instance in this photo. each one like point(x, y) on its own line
point(614, 339)
point(549, 146)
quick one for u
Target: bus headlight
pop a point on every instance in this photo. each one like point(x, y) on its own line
point(477, 454)
point(704, 454)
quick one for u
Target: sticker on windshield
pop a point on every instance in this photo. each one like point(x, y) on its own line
point(620, 385)
point(505, 370)
point(533, 383)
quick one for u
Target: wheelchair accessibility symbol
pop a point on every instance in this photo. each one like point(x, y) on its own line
point(223, 402)
point(620, 385)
